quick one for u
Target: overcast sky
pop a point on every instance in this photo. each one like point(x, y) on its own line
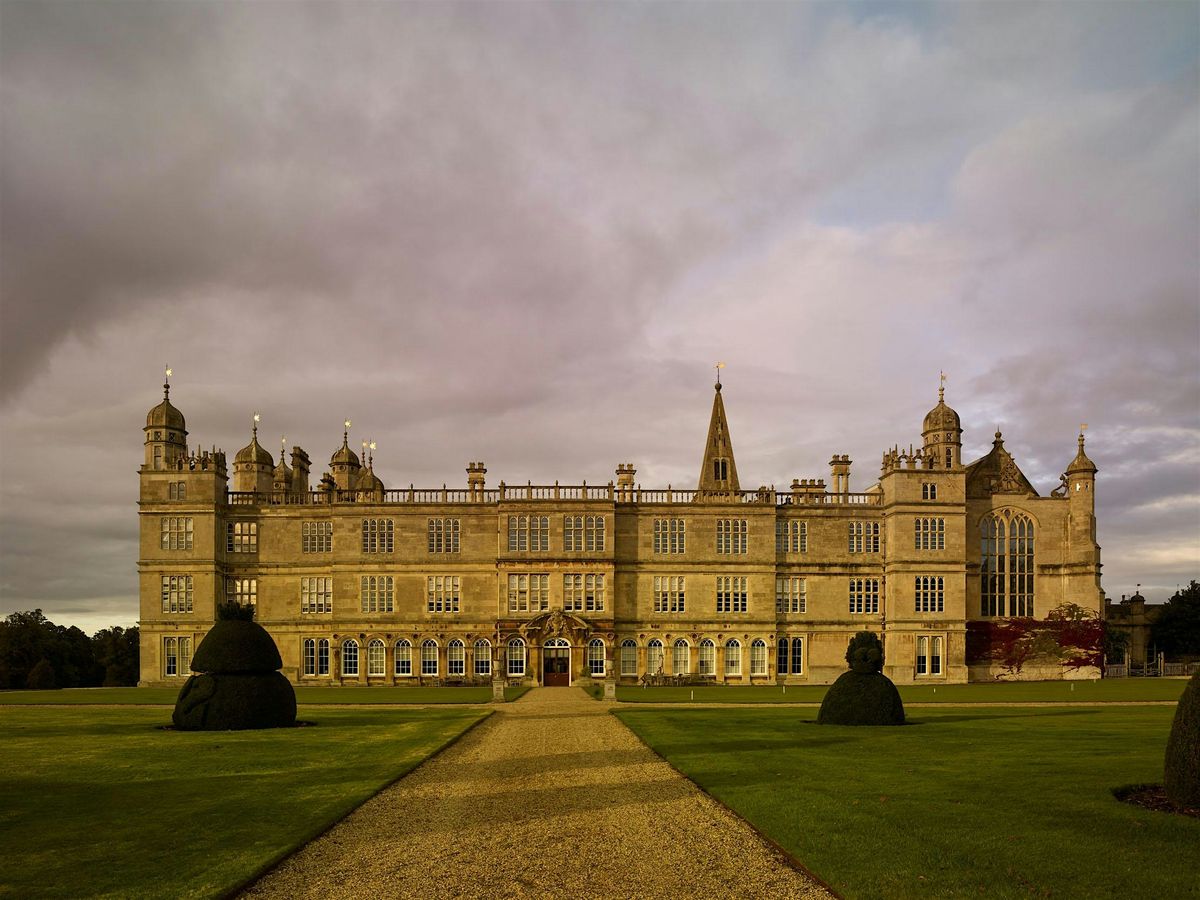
point(524, 233)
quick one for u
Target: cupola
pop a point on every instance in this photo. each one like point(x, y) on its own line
point(253, 465)
point(166, 433)
point(942, 434)
point(344, 464)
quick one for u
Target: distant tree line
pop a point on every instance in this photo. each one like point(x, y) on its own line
point(37, 654)
point(1176, 631)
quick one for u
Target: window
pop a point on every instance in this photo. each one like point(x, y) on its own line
point(376, 593)
point(241, 537)
point(429, 657)
point(629, 658)
point(929, 534)
point(949, 458)
point(731, 535)
point(1006, 565)
point(483, 657)
point(528, 533)
point(670, 536)
point(242, 591)
point(583, 593)
point(928, 491)
point(158, 454)
point(864, 537)
point(733, 658)
point(791, 594)
point(572, 533)
point(595, 658)
point(177, 656)
point(310, 656)
point(378, 536)
point(654, 657)
point(781, 657)
point(922, 656)
point(375, 658)
point(793, 661)
point(177, 593)
point(680, 657)
point(528, 593)
point(721, 469)
point(593, 539)
point(176, 490)
point(797, 656)
point(758, 658)
point(441, 594)
point(791, 536)
point(176, 533)
point(403, 658)
point(708, 658)
point(316, 537)
point(731, 593)
point(350, 659)
point(930, 594)
point(864, 596)
point(669, 594)
point(443, 535)
point(516, 658)
point(935, 661)
point(456, 658)
point(583, 533)
point(316, 595)
point(322, 657)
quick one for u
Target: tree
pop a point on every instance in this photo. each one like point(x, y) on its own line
point(41, 677)
point(1177, 630)
point(117, 653)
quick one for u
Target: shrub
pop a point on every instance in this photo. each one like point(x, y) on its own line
point(864, 695)
point(1181, 774)
point(41, 677)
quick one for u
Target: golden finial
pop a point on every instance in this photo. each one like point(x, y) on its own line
point(941, 387)
point(167, 382)
point(719, 366)
point(254, 427)
point(282, 446)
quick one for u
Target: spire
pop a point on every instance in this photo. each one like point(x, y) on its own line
point(718, 473)
point(1081, 463)
point(167, 383)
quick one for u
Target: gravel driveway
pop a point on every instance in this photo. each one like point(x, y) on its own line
point(551, 796)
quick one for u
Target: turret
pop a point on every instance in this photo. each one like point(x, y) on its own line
point(281, 476)
point(625, 473)
point(369, 486)
point(942, 435)
point(1081, 493)
point(253, 468)
point(476, 472)
point(344, 464)
point(166, 435)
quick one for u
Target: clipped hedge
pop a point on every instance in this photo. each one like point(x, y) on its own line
point(864, 695)
point(1181, 774)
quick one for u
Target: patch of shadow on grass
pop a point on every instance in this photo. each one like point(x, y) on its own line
point(1022, 713)
point(1153, 797)
point(299, 723)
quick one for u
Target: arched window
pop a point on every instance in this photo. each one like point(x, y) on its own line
point(680, 657)
point(922, 656)
point(758, 658)
point(429, 654)
point(350, 659)
point(456, 658)
point(654, 657)
point(375, 658)
point(782, 657)
point(596, 658)
point(1006, 564)
point(516, 658)
point(629, 658)
point(483, 657)
point(310, 656)
point(403, 658)
point(797, 656)
point(170, 658)
point(323, 657)
point(935, 660)
point(733, 658)
point(708, 658)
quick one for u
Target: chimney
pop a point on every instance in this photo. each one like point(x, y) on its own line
point(475, 480)
point(625, 473)
point(300, 469)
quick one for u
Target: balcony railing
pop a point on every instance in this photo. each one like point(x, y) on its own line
point(552, 492)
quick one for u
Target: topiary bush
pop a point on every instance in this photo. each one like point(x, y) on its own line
point(864, 695)
point(237, 685)
point(1181, 774)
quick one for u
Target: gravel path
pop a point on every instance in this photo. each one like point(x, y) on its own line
point(551, 796)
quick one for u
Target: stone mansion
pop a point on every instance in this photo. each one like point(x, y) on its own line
point(561, 584)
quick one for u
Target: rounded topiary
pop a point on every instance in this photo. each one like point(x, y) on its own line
point(237, 685)
point(864, 695)
point(1181, 774)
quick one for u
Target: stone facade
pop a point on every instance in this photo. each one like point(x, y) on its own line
point(360, 584)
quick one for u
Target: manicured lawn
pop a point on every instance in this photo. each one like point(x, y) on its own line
point(996, 802)
point(315, 695)
point(101, 802)
point(997, 692)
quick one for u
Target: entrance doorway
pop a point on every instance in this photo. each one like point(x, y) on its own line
point(556, 663)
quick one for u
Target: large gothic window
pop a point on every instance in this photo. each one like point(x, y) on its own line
point(1006, 564)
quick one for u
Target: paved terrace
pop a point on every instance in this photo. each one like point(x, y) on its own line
point(551, 796)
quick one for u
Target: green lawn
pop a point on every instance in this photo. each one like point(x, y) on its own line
point(102, 802)
point(314, 695)
point(992, 692)
point(996, 802)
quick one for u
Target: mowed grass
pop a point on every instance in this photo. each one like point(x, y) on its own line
point(1103, 691)
point(102, 802)
point(424, 696)
point(967, 801)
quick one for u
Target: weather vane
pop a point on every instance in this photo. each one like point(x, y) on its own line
point(719, 366)
point(168, 371)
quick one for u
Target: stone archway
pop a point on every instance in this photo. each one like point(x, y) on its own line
point(558, 632)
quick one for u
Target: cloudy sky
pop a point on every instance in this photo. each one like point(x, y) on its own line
point(525, 232)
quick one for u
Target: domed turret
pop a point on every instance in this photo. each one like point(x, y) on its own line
point(345, 464)
point(166, 433)
point(253, 465)
point(254, 452)
point(281, 477)
point(942, 434)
